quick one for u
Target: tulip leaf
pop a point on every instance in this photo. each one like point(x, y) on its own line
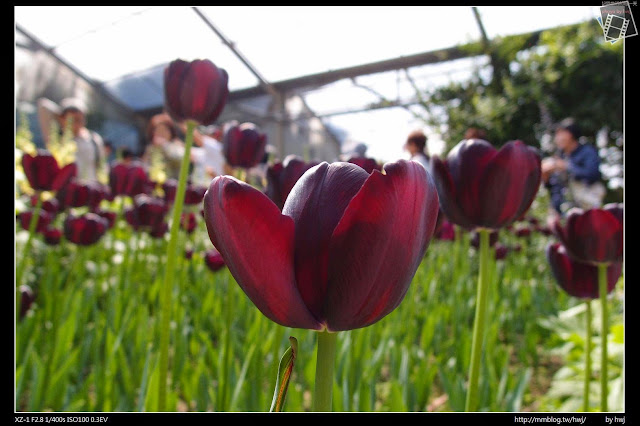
point(284, 375)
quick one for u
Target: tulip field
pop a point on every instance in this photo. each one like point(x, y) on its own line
point(89, 340)
point(344, 286)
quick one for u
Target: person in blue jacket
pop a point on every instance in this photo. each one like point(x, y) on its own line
point(573, 176)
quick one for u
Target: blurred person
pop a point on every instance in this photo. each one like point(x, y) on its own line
point(416, 145)
point(90, 152)
point(475, 133)
point(572, 176)
point(207, 154)
point(162, 137)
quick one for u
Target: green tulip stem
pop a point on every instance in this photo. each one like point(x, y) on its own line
point(587, 362)
point(602, 281)
point(27, 247)
point(165, 300)
point(222, 406)
point(479, 322)
point(324, 371)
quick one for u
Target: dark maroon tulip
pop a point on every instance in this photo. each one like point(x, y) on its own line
point(85, 230)
point(480, 186)
point(244, 145)
point(544, 230)
point(576, 278)
point(108, 215)
point(159, 230)
point(27, 297)
point(128, 179)
point(44, 173)
point(51, 205)
point(281, 177)
point(52, 236)
point(369, 164)
point(342, 253)
point(501, 251)
point(493, 239)
point(189, 222)
point(44, 219)
point(214, 260)
point(169, 187)
point(523, 232)
point(196, 90)
point(74, 194)
point(147, 212)
point(194, 194)
point(593, 236)
point(447, 232)
point(533, 221)
point(188, 254)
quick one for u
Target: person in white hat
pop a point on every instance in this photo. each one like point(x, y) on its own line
point(89, 144)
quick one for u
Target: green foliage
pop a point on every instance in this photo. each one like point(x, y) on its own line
point(569, 72)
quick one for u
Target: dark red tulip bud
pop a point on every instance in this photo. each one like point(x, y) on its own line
point(447, 232)
point(480, 186)
point(169, 187)
point(74, 194)
point(214, 260)
point(368, 164)
point(576, 278)
point(196, 90)
point(27, 297)
point(85, 230)
point(501, 251)
point(148, 212)
point(51, 205)
point(194, 194)
point(52, 236)
point(593, 236)
point(188, 222)
point(128, 179)
point(533, 221)
point(244, 145)
point(44, 219)
point(108, 215)
point(523, 232)
point(188, 254)
point(44, 173)
point(543, 229)
point(281, 178)
point(493, 239)
point(159, 230)
point(342, 252)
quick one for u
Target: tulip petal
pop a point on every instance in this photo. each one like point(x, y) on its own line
point(174, 76)
point(378, 245)
point(467, 162)
point(316, 204)
point(594, 236)
point(199, 90)
point(509, 185)
point(256, 242)
point(447, 193)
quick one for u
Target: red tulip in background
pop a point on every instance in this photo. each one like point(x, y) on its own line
point(196, 90)
point(593, 236)
point(281, 177)
point(576, 278)
point(108, 215)
point(128, 179)
point(501, 251)
point(85, 230)
point(194, 194)
point(43, 172)
point(50, 206)
point(493, 239)
point(244, 145)
point(523, 232)
point(147, 213)
point(342, 253)
point(214, 260)
point(27, 297)
point(446, 232)
point(480, 186)
point(44, 219)
point(169, 188)
point(369, 164)
point(189, 222)
point(52, 236)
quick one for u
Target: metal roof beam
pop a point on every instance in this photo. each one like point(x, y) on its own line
point(94, 84)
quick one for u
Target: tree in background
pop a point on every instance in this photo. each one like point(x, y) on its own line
point(533, 82)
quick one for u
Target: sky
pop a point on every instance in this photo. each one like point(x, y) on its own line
point(283, 42)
